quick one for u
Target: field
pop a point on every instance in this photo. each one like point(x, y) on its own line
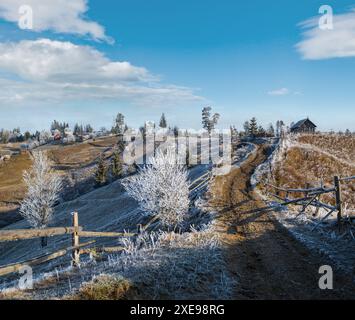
point(11, 187)
point(65, 158)
point(84, 153)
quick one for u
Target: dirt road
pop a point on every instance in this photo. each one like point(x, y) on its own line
point(266, 260)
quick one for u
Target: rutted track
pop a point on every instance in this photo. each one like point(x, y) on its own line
point(266, 260)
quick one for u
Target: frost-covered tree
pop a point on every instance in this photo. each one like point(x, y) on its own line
point(44, 137)
point(43, 188)
point(161, 188)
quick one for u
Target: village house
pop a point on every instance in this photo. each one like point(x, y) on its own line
point(304, 126)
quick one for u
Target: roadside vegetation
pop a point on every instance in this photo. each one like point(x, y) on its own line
point(312, 160)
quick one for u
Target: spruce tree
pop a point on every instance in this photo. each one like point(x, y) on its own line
point(116, 165)
point(163, 123)
point(101, 172)
point(253, 127)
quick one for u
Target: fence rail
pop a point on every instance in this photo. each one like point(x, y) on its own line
point(25, 234)
point(311, 197)
point(77, 232)
point(15, 267)
point(76, 250)
point(200, 183)
point(348, 178)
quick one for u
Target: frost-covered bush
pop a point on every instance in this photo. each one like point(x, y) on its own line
point(43, 187)
point(162, 188)
point(170, 265)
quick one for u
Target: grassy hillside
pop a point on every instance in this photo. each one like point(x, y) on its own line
point(310, 159)
point(11, 187)
point(83, 153)
point(65, 158)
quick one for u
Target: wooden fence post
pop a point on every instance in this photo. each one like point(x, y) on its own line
point(338, 198)
point(75, 240)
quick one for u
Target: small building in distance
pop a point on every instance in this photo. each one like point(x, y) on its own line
point(304, 126)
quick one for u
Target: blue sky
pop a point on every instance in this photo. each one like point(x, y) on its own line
point(243, 59)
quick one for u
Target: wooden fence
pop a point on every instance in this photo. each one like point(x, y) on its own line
point(199, 184)
point(76, 232)
point(312, 197)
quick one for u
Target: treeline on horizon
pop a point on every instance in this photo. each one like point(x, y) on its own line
point(251, 128)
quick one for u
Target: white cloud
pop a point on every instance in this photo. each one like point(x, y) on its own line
point(45, 70)
point(279, 92)
point(318, 44)
point(62, 16)
point(57, 61)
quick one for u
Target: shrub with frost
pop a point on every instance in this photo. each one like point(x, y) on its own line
point(43, 187)
point(161, 188)
point(181, 265)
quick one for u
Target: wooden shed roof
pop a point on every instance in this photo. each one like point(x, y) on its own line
point(301, 122)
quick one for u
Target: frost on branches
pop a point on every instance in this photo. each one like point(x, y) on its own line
point(162, 188)
point(43, 187)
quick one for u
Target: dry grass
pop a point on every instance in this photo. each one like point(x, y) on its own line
point(342, 146)
point(107, 142)
point(302, 165)
point(104, 287)
point(176, 266)
point(83, 153)
point(79, 154)
point(11, 186)
point(12, 189)
point(15, 294)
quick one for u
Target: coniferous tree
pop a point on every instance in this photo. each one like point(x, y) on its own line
point(116, 165)
point(261, 132)
point(101, 172)
point(121, 145)
point(253, 127)
point(246, 128)
point(209, 122)
point(78, 130)
point(59, 126)
point(119, 125)
point(271, 130)
point(27, 135)
point(163, 123)
point(89, 128)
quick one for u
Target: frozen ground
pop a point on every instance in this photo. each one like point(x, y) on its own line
point(324, 239)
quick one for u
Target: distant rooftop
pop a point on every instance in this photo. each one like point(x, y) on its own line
point(301, 122)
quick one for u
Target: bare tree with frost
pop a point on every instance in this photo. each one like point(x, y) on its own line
point(43, 187)
point(162, 188)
